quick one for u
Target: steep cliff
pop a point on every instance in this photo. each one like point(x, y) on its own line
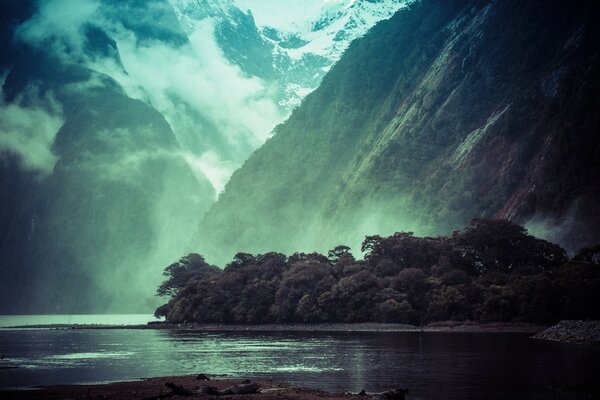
point(448, 111)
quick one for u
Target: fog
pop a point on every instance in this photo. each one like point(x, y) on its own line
point(218, 114)
point(29, 132)
point(122, 123)
point(124, 129)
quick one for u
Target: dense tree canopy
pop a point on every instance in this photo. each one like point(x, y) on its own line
point(493, 270)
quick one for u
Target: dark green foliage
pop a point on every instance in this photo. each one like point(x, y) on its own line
point(493, 270)
point(590, 255)
point(503, 246)
point(179, 273)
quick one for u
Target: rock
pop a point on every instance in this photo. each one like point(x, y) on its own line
point(208, 390)
point(179, 390)
point(244, 388)
point(202, 377)
point(396, 394)
point(583, 332)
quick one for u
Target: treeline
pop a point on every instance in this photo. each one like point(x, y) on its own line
point(493, 270)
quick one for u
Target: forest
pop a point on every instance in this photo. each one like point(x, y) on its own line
point(491, 271)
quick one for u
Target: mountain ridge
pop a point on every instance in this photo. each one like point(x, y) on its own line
point(436, 116)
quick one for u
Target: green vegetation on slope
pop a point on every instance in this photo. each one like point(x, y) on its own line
point(493, 270)
point(448, 111)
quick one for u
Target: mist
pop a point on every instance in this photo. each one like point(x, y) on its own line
point(29, 132)
point(150, 108)
point(132, 128)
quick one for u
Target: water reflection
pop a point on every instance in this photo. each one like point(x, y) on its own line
point(432, 365)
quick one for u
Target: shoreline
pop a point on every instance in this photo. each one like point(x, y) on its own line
point(442, 327)
point(156, 388)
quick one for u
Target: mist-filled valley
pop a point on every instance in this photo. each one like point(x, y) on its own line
point(120, 124)
point(133, 133)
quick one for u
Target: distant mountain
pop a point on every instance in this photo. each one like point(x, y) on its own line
point(449, 110)
point(86, 234)
point(294, 49)
point(97, 192)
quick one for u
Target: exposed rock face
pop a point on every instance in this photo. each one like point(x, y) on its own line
point(587, 332)
point(448, 111)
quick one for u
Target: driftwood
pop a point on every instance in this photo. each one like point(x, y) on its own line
point(243, 388)
point(175, 391)
point(208, 390)
point(179, 390)
point(396, 394)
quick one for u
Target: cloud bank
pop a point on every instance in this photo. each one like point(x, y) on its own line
point(218, 114)
point(29, 132)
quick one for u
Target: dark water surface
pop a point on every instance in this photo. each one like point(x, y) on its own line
point(431, 365)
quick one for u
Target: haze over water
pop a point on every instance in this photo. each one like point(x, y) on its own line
point(81, 319)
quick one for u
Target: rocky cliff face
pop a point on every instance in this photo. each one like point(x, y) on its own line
point(448, 111)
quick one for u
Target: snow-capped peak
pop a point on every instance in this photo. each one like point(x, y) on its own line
point(306, 37)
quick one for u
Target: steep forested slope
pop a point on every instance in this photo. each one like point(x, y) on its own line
point(448, 111)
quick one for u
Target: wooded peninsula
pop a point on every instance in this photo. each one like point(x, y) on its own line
point(491, 271)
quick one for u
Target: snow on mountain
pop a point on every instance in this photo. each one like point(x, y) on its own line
point(322, 37)
point(294, 42)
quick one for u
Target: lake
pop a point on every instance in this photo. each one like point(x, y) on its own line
point(433, 365)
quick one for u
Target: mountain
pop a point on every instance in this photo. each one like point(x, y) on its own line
point(292, 44)
point(115, 201)
point(449, 110)
point(120, 122)
point(97, 192)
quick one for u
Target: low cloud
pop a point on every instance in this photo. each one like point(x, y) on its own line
point(211, 166)
point(29, 132)
point(58, 25)
point(218, 114)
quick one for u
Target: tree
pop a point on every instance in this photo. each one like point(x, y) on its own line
point(589, 255)
point(501, 245)
point(339, 253)
point(181, 272)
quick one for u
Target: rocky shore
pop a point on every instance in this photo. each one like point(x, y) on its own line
point(583, 332)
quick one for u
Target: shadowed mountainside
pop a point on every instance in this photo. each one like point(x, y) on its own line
point(448, 111)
